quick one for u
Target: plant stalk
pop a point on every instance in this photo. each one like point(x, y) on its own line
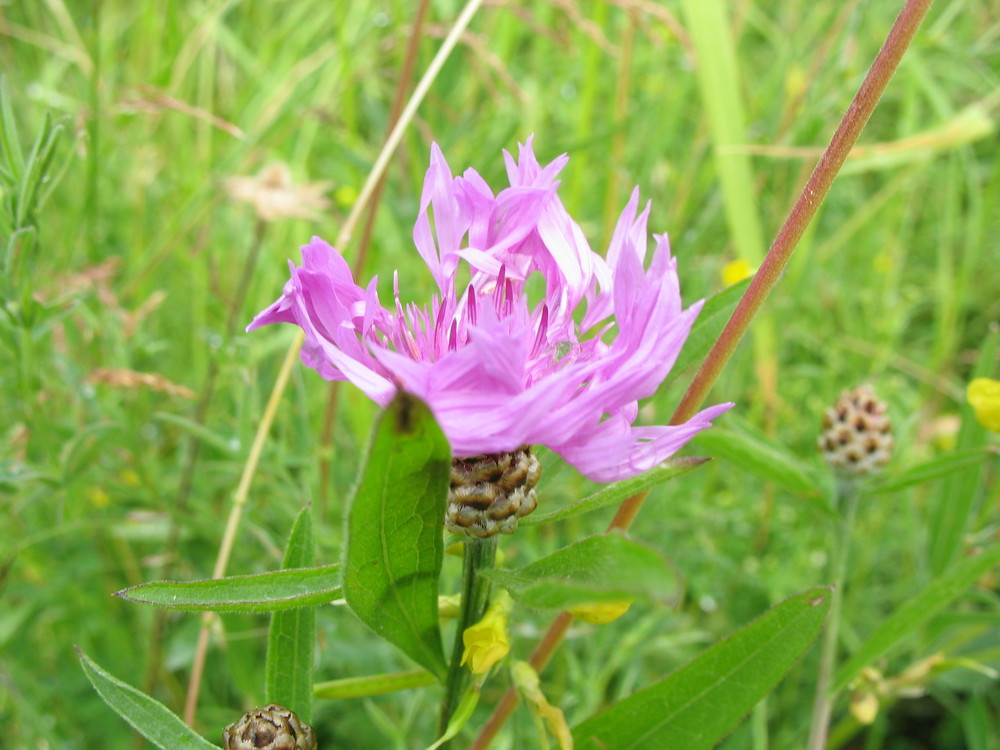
point(479, 554)
point(847, 496)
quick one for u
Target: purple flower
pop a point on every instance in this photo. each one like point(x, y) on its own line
point(497, 372)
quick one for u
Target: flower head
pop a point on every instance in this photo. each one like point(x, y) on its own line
point(498, 372)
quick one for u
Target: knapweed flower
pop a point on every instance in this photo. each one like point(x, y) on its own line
point(271, 727)
point(857, 434)
point(984, 397)
point(501, 371)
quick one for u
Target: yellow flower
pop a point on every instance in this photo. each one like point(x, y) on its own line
point(528, 684)
point(984, 397)
point(735, 271)
point(486, 642)
point(601, 613)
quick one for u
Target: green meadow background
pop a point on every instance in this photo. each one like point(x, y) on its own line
point(131, 255)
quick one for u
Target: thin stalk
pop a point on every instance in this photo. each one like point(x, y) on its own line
point(330, 414)
point(847, 496)
point(479, 554)
point(802, 213)
point(277, 391)
point(240, 498)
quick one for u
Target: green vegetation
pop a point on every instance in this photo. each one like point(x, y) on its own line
point(129, 396)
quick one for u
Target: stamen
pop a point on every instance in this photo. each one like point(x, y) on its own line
point(499, 288)
point(540, 336)
point(471, 305)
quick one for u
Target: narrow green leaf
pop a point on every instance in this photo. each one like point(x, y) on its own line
point(36, 167)
point(372, 684)
point(916, 611)
point(699, 704)
point(762, 457)
point(707, 327)
point(395, 543)
point(292, 635)
point(618, 491)
point(264, 592)
point(597, 569)
point(10, 143)
point(151, 719)
point(927, 471)
point(207, 436)
point(463, 712)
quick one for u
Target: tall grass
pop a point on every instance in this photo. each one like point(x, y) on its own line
point(135, 257)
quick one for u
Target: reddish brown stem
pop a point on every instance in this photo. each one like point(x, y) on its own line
point(802, 213)
point(399, 99)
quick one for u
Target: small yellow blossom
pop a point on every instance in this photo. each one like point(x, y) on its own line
point(735, 271)
point(984, 397)
point(864, 707)
point(486, 642)
point(98, 497)
point(527, 682)
point(600, 613)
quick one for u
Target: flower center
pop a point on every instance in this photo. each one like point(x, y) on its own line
point(489, 494)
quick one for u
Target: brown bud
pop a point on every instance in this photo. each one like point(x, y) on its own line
point(272, 727)
point(489, 494)
point(857, 433)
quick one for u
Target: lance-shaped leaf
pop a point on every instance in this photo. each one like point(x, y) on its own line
point(759, 455)
point(936, 468)
point(292, 634)
point(264, 592)
point(699, 704)
point(597, 569)
point(618, 491)
point(151, 719)
point(394, 532)
point(916, 611)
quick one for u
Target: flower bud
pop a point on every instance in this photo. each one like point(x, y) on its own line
point(489, 494)
point(857, 433)
point(600, 613)
point(272, 727)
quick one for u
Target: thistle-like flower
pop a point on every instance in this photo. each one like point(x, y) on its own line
point(272, 727)
point(498, 372)
point(857, 433)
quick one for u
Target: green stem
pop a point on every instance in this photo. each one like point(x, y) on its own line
point(847, 495)
point(480, 554)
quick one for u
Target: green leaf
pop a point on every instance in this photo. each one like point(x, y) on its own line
point(150, 718)
point(207, 436)
point(372, 684)
point(916, 611)
point(759, 456)
point(10, 142)
point(264, 592)
point(927, 471)
point(292, 635)
point(699, 704)
point(618, 491)
point(597, 569)
point(707, 327)
point(395, 542)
